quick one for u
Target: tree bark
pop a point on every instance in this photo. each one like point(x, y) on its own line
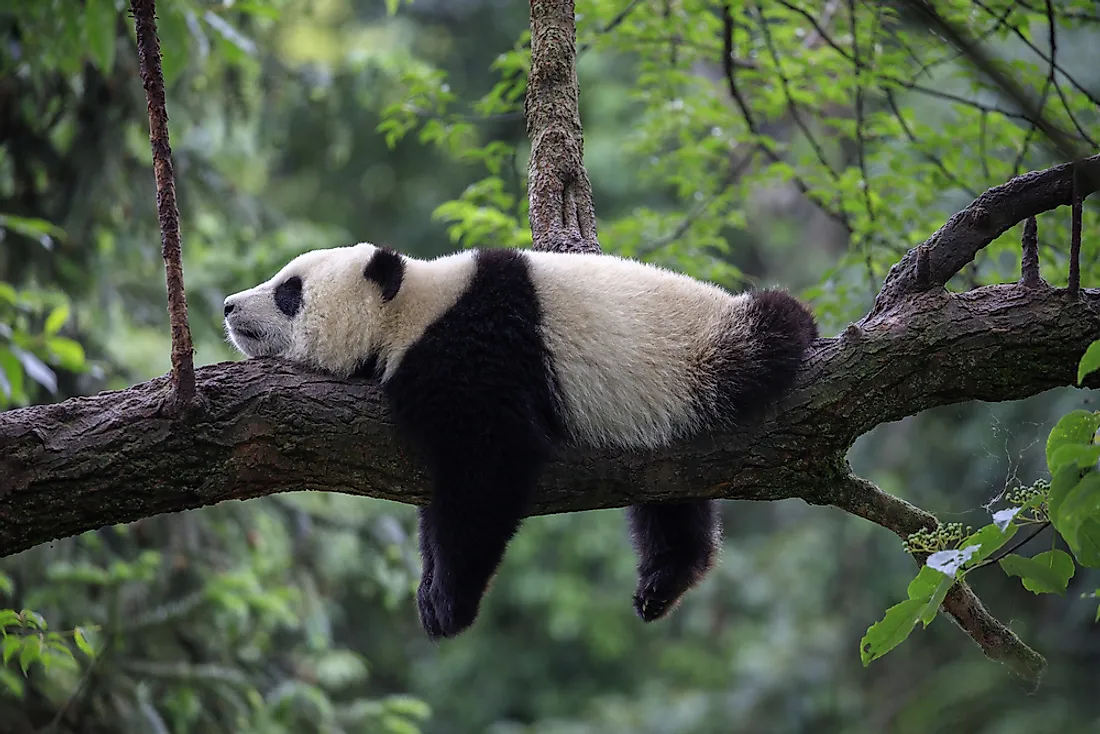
point(563, 216)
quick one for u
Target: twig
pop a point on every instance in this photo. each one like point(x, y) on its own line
point(1005, 552)
point(1029, 262)
point(1074, 284)
point(183, 368)
point(728, 68)
point(792, 106)
point(1066, 147)
point(1044, 96)
point(1035, 49)
point(887, 77)
point(611, 24)
point(891, 100)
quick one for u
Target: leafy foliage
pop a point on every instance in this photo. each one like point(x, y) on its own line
point(1070, 503)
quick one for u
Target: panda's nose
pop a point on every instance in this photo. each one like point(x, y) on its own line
point(228, 307)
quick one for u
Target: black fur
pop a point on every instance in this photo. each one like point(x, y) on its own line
point(677, 543)
point(288, 296)
point(475, 394)
point(387, 269)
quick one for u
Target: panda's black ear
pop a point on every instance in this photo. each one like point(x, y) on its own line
point(387, 269)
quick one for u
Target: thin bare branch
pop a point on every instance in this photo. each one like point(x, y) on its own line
point(1075, 234)
point(792, 107)
point(1029, 263)
point(930, 157)
point(183, 368)
point(1044, 96)
point(729, 69)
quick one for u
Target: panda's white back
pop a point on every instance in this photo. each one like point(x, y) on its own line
point(629, 343)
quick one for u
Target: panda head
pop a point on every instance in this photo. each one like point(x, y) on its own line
point(324, 309)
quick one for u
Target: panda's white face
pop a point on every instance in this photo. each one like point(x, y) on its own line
point(319, 310)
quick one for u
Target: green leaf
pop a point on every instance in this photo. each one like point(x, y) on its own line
point(56, 319)
point(82, 642)
point(932, 603)
point(409, 707)
point(1064, 480)
point(1081, 456)
point(989, 539)
point(30, 653)
point(886, 634)
point(1076, 427)
point(1046, 573)
point(7, 586)
point(1079, 504)
point(11, 645)
point(9, 618)
point(12, 682)
point(32, 618)
point(1087, 550)
point(12, 384)
point(100, 17)
point(69, 353)
point(925, 583)
point(1090, 362)
point(36, 229)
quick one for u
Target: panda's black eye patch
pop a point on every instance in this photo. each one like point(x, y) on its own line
point(288, 296)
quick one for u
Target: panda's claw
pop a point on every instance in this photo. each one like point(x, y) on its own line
point(658, 593)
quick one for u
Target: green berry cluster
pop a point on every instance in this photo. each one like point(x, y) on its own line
point(1023, 495)
point(941, 537)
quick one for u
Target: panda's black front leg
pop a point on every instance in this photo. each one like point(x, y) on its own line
point(427, 572)
point(463, 536)
point(676, 544)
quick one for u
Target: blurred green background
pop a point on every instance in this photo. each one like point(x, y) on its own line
point(299, 124)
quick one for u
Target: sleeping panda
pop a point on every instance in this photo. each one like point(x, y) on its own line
point(493, 360)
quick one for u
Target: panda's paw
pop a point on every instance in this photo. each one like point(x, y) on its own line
point(443, 614)
point(429, 620)
point(658, 593)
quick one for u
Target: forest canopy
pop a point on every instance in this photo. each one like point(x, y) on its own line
point(841, 150)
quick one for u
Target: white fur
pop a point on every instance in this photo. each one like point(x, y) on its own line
point(628, 340)
point(342, 318)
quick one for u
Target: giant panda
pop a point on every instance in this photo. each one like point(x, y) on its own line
point(494, 360)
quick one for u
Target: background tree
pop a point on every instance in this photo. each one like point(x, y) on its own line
point(262, 613)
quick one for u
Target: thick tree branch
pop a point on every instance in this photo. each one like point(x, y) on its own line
point(268, 427)
point(183, 369)
point(957, 242)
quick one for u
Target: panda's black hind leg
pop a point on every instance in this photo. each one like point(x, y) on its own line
point(676, 544)
point(464, 533)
